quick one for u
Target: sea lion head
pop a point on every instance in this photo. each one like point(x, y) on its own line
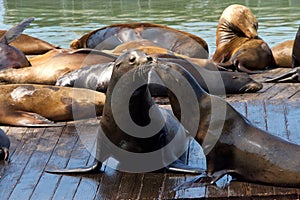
point(236, 20)
point(132, 59)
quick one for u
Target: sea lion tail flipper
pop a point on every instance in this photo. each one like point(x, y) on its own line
point(291, 76)
point(203, 180)
point(15, 31)
point(95, 168)
point(198, 181)
point(179, 166)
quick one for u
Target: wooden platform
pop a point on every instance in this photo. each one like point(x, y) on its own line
point(276, 108)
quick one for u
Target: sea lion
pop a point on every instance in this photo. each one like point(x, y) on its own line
point(109, 37)
point(4, 146)
point(294, 74)
point(10, 56)
point(41, 105)
point(237, 43)
point(30, 45)
point(97, 77)
point(47, 68)
point(231, 143)
point(282, 53)
point(129, 77)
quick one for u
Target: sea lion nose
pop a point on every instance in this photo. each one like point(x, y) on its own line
point(149, 58)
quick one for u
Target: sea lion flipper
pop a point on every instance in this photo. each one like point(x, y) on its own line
point(4, 154)
point(198, 181)
point(95, 168)
point(179, 166)
point(290, 76)
point(28, 119)
point(15, 31)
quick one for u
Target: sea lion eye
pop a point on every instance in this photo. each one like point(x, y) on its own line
point(132, 59)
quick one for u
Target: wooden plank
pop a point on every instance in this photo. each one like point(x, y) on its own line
point(296, 96)
point(47, 184)
point(78, 158)
point(256, 113)
point(110, 181)
point(130, 186)
point(18, 162)
point(88, 186)
point(293, 121)
point(152, 185)
point(290, 90)
point(37, 163)
point(70, 183)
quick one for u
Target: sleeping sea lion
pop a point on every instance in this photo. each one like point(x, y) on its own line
point(41, 105)
point(148, 131)
point(282, 53)
point(109, 37)
point(231, 143)
point(294, 74)
point(97, 77)
point(47, 68)
point(10, 56)
point(30, 45)
point(4, 146)
point(237, 43)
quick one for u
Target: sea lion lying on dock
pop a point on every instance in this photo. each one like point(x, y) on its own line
point(97, 78)
point(30, 45)
point(109, 37)
point(41, 105)
point(237, 41)
point(293, 75)
point(47, 68)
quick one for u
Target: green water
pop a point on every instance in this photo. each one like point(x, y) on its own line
point(61, 21)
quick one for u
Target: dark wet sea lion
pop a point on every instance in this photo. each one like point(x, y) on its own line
point(238, 45)
point(97, 78)
point(10, 56)
point(4, 146)
point(47, 68)
point(130, 71)
point(231, 144)
point(294, 74)
point(282, 53)
point(30, 45)
point(37, 105)
point(109, 37)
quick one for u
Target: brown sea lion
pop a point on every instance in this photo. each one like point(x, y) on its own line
point(231, 144)
point(294, 74)
point(30, 45)
point(237, 43)
point(147, 128)
point(282, 53)
point(10, 56)
point(47, 68)
point(4, 146)
point(97, 77)
point(38, 105)
point(109, 37)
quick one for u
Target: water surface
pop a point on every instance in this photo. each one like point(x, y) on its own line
point(61, 21)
